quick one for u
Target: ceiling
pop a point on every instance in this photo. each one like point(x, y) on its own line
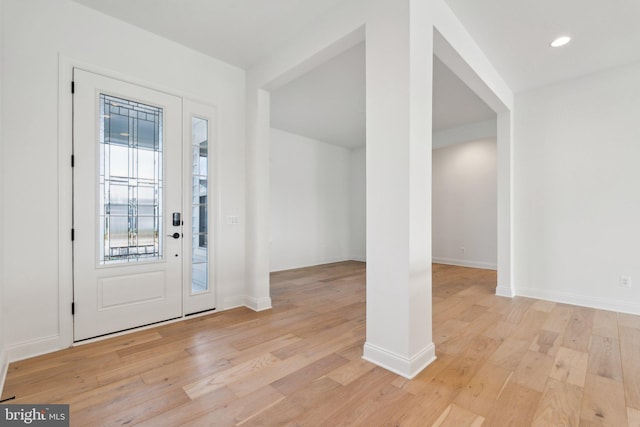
point(515, 36)
point(240, 32)
point(328, 103)
point(454, 104)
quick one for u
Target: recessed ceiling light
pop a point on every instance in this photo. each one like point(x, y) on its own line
point(560, 41)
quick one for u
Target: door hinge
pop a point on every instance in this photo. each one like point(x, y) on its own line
point(73, 308)
point(73, 87)
point(73, 160)
point(73, 234)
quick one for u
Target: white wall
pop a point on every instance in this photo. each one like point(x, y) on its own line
point(3, 359)
point(37, 33)
point(465, 133)
point(577, 191)
point(358, 205)
point(464, 204)
point(310, 208)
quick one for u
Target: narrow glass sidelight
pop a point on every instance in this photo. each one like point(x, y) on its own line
point(130, 181)
point(199, 204)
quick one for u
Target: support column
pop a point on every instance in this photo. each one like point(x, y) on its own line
point(257, 271)
point(505, 237)
point(399, 109)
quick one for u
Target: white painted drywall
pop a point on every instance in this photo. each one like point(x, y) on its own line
point(465, 133)
point(464, 204)
point(310, 203)
point(38, 35)
point(577, 197)
point(358, 204)
point(3, 355)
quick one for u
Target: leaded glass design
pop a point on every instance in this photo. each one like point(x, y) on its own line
point(130, 181)
point(199, 204)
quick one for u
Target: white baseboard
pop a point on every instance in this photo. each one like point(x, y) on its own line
point(258, 304)
point(465, 263)
point(581, 300)
point(233, 302)
point(4, 366)
point(32, 348)
point(505, 291)
point(406, 367)
point(310, 263)
point(360, 258)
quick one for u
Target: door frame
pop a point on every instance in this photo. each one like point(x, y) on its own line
point(66, 65)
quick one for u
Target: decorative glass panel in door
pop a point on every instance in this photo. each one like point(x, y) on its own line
point(130, 181)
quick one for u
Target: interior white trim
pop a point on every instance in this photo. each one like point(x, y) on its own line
point(397, 364)
point(306, 264)
point(233, 302)
point(4, 367)
point(255, 304)
point(466, 263)
point(580, 300)
point(258, 304)
point(505, 291)
point(65, 201)
point(32, 348)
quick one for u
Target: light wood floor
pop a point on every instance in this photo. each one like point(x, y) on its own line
point(501, 362)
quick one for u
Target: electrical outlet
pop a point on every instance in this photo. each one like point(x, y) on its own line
point(233, 220)
point(625, 281)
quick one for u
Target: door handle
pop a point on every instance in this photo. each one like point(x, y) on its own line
point(175, 235)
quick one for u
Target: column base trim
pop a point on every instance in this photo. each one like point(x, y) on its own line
point(258, 304)
point(406, 367)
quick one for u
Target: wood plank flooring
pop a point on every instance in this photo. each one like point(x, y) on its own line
point(501, 362)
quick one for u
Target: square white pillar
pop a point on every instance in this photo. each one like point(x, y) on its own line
point(257, 292)
point(399, 109)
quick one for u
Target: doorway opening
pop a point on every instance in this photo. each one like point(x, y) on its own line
point(464, 206)
point(317, 205)
point(317, 167)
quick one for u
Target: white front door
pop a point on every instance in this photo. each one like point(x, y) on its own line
point(127, 250)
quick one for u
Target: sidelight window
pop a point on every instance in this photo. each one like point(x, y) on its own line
point(199, 204)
